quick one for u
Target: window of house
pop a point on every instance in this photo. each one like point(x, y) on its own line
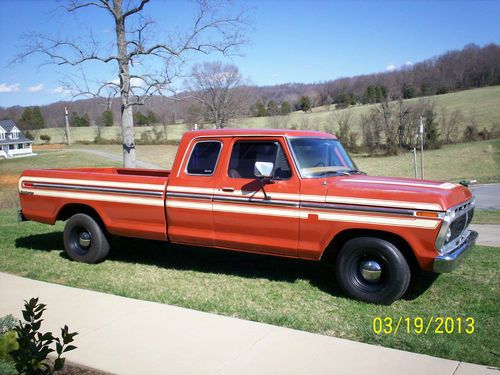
point(2, 136)
point(245, 154)
point(204, 157)
point(20, 146)
point(11, 147)
point(15, 135)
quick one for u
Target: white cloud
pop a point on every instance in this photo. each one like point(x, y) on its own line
point(60, 90)
point(390, 67)
point(4, 87)
point(408, 63)
point(134, 82)
point(36, 88)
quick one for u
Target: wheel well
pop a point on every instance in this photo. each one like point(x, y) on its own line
point(331, 252)
point(72, 209)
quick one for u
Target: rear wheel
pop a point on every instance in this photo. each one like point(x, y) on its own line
point(84, 239)
point(372, 270)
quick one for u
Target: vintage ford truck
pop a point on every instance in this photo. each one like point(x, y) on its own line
point(279, 192)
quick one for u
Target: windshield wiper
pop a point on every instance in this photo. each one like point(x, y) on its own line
point(353, 171)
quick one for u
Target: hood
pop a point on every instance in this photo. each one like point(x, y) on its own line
point(396, 192)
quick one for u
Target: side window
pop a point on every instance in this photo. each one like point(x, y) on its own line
point(204, 158)
point(245, 154)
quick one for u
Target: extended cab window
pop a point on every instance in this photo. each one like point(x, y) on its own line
point(204, 158)
point(246, 153)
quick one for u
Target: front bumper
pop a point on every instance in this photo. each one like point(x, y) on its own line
point(451, 260)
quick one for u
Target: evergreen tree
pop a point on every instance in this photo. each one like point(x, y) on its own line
point(272, 108)
point(285, 108)
point(37, 118)
point(151, 118)
point(305, 104)
point(26, 118)
point(431, 134)
point(140, 119)
point(260, 109)
point(79, 121)
point(107, 118)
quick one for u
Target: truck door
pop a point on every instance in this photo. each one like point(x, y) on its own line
point(243, 218)
point(190, 192)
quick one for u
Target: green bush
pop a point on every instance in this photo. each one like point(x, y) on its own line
point(34, 346)
point(8, 343)
point(45, 137)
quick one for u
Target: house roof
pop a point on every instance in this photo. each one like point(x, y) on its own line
point(8, 125)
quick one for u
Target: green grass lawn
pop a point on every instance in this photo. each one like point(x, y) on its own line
point(486, 217)
point(284, 292)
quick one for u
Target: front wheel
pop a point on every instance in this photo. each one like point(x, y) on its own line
point(84, 239)
point(372, 270)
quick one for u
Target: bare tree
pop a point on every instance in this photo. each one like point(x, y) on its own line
point(213, 85)
point(213, 29)
point(343, 119)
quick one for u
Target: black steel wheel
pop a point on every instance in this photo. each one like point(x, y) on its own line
point(85, 240)
point(372, 270)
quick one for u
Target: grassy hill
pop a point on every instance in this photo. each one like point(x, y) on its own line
point(481, 106)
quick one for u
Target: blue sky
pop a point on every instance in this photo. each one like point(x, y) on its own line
point(290, 41)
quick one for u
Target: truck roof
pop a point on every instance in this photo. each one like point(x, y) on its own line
point(230, 132)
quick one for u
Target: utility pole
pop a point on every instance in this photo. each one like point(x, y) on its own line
point(414, 152)
point(421, 133)
point(66, 119)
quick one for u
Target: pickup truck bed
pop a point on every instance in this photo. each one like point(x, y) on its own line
point(129, 201)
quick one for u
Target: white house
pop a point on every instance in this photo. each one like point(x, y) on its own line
point(13, 143)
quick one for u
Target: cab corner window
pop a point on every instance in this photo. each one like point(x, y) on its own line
point(204, 158)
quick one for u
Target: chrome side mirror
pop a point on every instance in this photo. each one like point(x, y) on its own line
point(263, 169)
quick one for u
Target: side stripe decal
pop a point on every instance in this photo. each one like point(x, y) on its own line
point(97, 197)
point(296, 214)
point(310, 198)
point(112, 184)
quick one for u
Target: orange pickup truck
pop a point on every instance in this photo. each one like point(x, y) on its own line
point(279, 192)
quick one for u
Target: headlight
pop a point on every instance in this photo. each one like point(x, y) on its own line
point(448, 235)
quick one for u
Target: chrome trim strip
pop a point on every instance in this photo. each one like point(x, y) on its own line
point(99, 189)
point(270, 202)
point(347, 207)
point(187, 195)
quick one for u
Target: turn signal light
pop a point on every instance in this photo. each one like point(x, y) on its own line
point(426, 214)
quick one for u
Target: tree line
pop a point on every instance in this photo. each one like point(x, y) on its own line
point(471, 67)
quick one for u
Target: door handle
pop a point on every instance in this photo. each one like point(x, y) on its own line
point(228, 189)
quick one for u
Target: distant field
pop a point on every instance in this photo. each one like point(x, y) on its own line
point(482, 105)
point(12, 168)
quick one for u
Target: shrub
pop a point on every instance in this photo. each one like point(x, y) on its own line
point(45, 137)
point(34, 346)
point(470, 133)
point(8, 343)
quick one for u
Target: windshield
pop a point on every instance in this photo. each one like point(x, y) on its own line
point(317, 157)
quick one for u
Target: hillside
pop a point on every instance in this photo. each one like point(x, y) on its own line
point(480, 106)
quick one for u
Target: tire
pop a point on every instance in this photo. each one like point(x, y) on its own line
point(84, 239)
point(372, 270)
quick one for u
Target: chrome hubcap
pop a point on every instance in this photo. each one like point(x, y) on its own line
point(371, 270)
point(84, 239)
